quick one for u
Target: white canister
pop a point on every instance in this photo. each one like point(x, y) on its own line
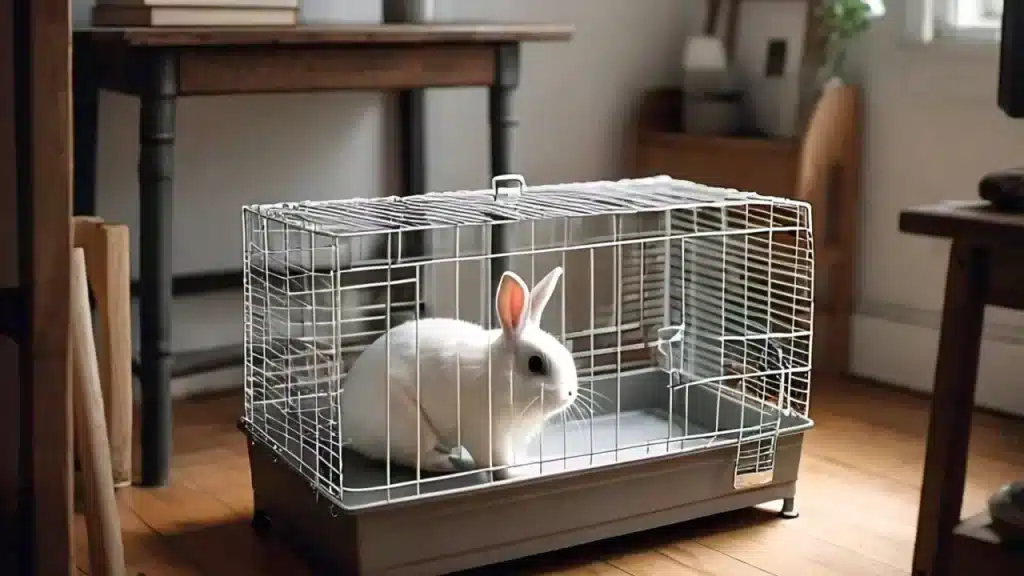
point(703, 53)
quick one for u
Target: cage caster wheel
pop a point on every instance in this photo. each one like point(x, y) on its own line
point(789, 510)
point(260, 522)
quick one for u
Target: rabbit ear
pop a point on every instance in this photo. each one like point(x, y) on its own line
point(542, 293)
point(512, 303)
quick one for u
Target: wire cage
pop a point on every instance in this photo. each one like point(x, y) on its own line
point(684, 311)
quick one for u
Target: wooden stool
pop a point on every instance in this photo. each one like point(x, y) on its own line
point(103, 524)
point(108, 267)
point(828, 177)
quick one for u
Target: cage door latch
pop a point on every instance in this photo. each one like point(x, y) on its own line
point(506, 192)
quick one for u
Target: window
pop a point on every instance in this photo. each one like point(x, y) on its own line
point(964, 17)
point(977, 20)
point(992, 9)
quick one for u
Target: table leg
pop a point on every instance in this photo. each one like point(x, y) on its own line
point(411, 145)
point(156, 170)
point(502, 121)
point(949, 427)
point(412, 169)
point(412, 153)
point(86, 111)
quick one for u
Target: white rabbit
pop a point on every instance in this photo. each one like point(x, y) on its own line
point(532, 377)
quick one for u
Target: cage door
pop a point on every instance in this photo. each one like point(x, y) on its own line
point(755, 455)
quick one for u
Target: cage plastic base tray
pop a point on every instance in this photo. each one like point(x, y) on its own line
point(644, 428)
point(561, 448)
point(646, 487)
point(568, 445)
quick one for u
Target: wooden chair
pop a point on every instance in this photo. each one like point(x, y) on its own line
point(106, 248)
point(828, 176)
point(101, 381)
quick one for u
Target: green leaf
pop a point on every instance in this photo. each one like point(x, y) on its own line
point(842, 20)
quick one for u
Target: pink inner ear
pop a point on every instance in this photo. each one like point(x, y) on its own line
point(511, 300)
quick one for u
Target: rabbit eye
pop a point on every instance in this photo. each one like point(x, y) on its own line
point(536, 365)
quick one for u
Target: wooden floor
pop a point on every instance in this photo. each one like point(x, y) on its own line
point(857, 494)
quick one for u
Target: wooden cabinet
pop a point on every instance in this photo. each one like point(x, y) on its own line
point(757, 165)
point(762, 165)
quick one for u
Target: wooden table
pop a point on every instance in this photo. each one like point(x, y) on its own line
point(161, 65)
point(984, 269)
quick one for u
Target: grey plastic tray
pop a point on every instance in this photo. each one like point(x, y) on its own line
point(647, 487)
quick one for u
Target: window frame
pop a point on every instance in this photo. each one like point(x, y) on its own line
point(969, 19)
point(992, 10)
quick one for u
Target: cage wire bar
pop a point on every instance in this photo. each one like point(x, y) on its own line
point(688, 311)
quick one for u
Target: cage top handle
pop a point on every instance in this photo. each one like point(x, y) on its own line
point(509, 192)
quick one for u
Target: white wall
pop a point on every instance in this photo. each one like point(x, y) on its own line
point(933, 129)
point(572, 106)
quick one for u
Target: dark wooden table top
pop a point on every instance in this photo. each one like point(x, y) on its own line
point(338, 34)
point(974, 219)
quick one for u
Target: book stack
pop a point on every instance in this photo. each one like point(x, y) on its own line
point(194, 13)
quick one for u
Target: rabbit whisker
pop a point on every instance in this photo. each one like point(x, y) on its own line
point(585, 409)
point(592, 400)
point(527, 407)
point(570, 415)
point(570, 420)
point(594, 393)
point(587, 402)
point(579, 413)
point(581, 422)
point(592, 407)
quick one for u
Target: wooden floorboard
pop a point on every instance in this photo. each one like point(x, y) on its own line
point(857, 494)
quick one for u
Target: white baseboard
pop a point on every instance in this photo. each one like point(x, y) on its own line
point(209, 382)
point(200, 322)
point(901, 349)
point(199, 384)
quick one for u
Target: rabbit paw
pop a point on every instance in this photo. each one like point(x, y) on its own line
point(435, 461)
point(461, 458)
point(503, 474)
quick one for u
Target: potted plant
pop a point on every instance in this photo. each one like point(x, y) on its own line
point(842, 21)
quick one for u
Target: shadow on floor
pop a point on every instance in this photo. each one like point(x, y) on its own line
point(234, 547)
point(231, 547)
point(585, 554)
